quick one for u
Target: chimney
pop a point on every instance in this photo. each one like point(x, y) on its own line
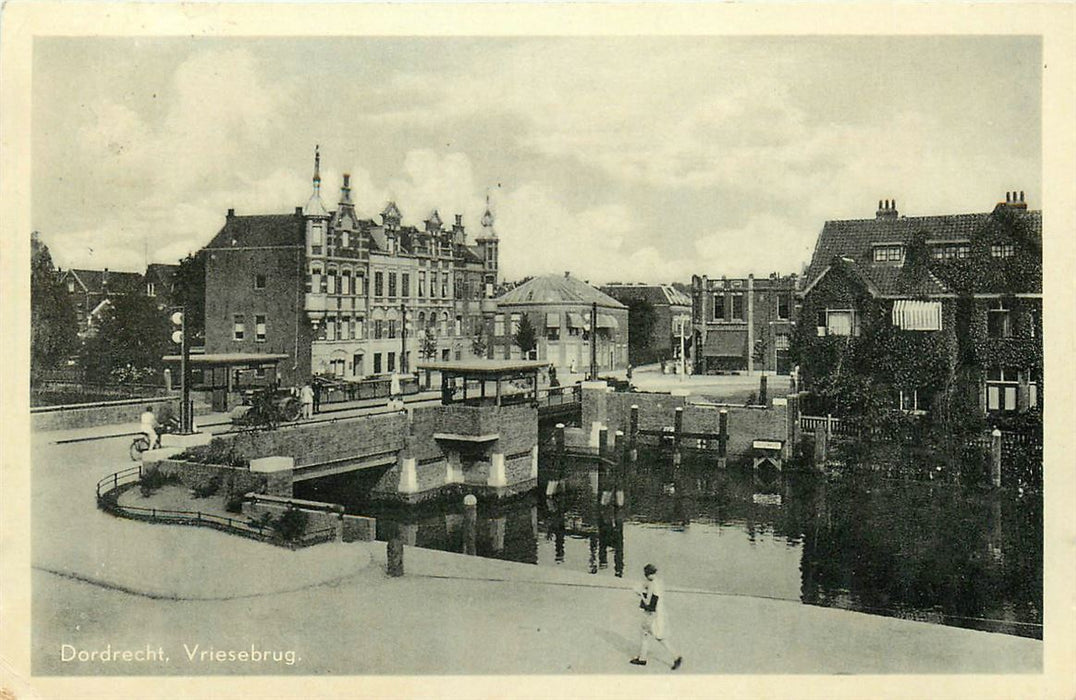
point(231, 213)
point(566, 273)
point(887, 209)
point(1014, 200)
point(298, 211)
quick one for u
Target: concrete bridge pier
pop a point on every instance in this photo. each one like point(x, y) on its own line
point(497, 476)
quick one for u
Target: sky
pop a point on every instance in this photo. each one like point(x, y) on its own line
point(632, 159)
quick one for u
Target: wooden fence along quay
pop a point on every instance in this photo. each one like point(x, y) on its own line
point(110, 488)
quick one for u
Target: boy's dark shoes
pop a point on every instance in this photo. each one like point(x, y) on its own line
point(638, 662)
point(676, 664)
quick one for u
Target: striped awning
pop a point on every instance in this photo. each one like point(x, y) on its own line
point(607, 321)
point(552, 319)
point(912, 315)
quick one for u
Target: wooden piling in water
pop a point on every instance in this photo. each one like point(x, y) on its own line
point(722, 437)
point(995, 458)
point(634, 431)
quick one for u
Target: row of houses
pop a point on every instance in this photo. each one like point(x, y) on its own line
point(92, 291)
point(912, 301)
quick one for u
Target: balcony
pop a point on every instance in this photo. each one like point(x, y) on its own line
point(316, 305)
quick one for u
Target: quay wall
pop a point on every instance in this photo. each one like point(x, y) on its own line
point(777, 421)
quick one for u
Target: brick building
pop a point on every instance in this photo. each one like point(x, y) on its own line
point(345, 297)
point(672, 318)
point(742, 324)
point(928, 307)
point(559, 308)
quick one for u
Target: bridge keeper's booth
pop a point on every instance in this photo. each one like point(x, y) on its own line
point(487, 382)
point(224, 376)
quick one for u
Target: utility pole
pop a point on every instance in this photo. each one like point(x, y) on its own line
point(593, 341)
point(683, 369)
point(179, 320)
point(403, 338)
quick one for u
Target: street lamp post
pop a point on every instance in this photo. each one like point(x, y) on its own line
point(682, 362)
point(403, 338)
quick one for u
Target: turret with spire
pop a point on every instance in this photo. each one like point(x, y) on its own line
point(317, 217)
point(314, 206)
point(488, 244)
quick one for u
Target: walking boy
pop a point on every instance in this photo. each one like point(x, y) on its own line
point(652, 603)
point(306, 399)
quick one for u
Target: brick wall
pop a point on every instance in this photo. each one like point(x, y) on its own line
point(316, 519)
point(358, 528)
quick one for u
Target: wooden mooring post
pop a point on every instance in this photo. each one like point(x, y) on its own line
point(634, 432)
point(722, 437)
point(678, 431)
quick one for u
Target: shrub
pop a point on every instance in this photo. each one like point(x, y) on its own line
point(153, 479)
point(218, 451)
point(291, 524)
point(208, 488)
point(234, 504)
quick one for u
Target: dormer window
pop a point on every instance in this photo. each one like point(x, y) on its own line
point(1003, 250)
point(889, 253)
point(951, 250)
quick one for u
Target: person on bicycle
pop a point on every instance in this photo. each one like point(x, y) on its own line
point(149, 427)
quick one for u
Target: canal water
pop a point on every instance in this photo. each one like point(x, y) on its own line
point(922, 550)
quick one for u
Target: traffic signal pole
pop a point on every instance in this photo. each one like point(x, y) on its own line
point(186, 417)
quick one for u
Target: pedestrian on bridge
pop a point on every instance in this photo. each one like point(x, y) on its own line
point(306, 399)
point(655, 625)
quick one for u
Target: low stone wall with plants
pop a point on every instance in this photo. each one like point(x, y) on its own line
point(207, 479)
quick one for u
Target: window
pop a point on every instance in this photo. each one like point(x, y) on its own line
point(888, 253)
point(552, 333)
point(151, 289)
point(422, 283)
point(356, 365)
point(1001, 386)
point(330, 328)
point(737, 307)
point(1033, 388)
point(908, 401)
point(459, 325)
point(361, 288)
point(259, 328)
point(998, 320)
point(405, 285)
point(445, 355)
point(392, 362)
point(379, 329)
point(952, 251)
point(379, 283)
point(433, 283)
point(259, 281)
point(498, 325)
point(784, 305)
point(358, 332)
point(780, 341)
point(719, 307)
point(444, 323)
point(1003, 250)
point(71, 286)
point(347, 283)
point(444, 286)
point(515, 323)
point(330, 285)
point(392, 328)
point(345, 328)
point(238, 327)
point(836, 322)
point(377, 361)
point(392, 284)
point(314, 282)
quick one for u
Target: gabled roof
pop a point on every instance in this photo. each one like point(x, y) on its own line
point(160, 272)
point(106, 281)
point(558, 289)
point(263, 230)
point(855, 239)
point(656, 294)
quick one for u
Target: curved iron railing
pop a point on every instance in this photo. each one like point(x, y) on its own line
point(110, 488)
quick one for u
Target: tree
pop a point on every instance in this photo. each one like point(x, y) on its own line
point(188, 291)
point(427, 345)
point(131, 340)
point(759, 352)
point(525, 336)
point(641, 321)
point(54, 327)
point(479, 345)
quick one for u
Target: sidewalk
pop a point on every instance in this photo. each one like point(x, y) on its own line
point(218, 422)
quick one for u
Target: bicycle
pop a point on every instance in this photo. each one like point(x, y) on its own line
point(141, 443)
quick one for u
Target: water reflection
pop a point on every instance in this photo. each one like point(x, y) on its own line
point(919, 550)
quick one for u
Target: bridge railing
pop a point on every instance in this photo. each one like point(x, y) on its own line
point(560, 395)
